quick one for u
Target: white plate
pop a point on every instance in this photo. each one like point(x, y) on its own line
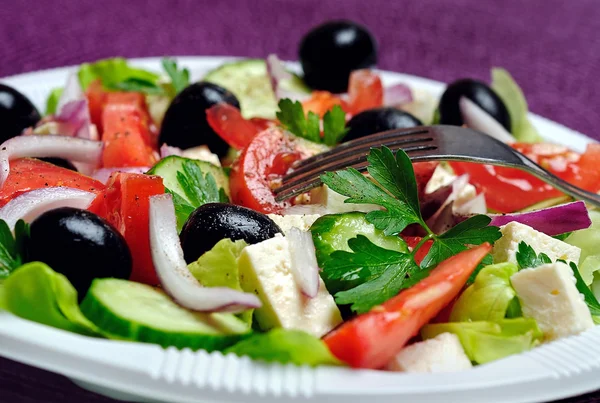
point(145, 372)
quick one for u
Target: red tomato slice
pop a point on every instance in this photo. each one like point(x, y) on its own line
point(413, 241)
point(322, 101)
point(227, 121)
point(259, 167)
point(28, 174)
point(365, 91)
point(96, 97)
point(125, 204)
point(371, 340)
point(508, 189)
point(124, 132)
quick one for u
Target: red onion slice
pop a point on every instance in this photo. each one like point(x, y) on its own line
point(28, 206)
point(551, 221)
point(277, 75)
point(476, 205)
point(166, 151)
point(75, 149)
point(304, 261)
point(397, 94)
point(104, 174)
point(71, 92)
point(478, 119)
point(175, 278)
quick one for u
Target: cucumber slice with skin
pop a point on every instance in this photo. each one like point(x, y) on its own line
point(331, 232)
point(132, 311)
point(168, 167)
point(249, 82)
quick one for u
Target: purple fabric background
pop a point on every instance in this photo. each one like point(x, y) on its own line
point(552, 47)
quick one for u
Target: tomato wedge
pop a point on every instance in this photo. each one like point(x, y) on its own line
point(321, 102)
point(413, 241)
point(28, 174)
point(96, 97)
point(125, 137)
point(371, 340)
point(258, 170)
point(365, 91)
point(125, 203)
point(227, 121)
point(508, 189)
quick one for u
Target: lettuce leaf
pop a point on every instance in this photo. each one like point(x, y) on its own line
point(487, 341)
point(219, 268)
point(115, 73)
point(52, 101)
point(285, 346)
point(37, 293)
point(512, 96)
point(489, 297)
point(588, 240)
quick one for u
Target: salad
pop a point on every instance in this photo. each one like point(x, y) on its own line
point(141, 207)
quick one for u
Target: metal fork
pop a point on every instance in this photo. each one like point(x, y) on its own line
point(424, 143)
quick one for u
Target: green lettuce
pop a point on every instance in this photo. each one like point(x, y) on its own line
point(37, 293)
point(219, 268)
point(588, 240)
point(488, 341)
point(52, 101)
point(285, 346)
point(115, 73)
point(512, 96)
point(489, 298)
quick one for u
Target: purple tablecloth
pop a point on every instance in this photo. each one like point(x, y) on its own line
point(552, 47)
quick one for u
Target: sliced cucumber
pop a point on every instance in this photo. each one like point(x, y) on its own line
point(250, 83)
point(168, 167)
point(133, 311)
point(331, 232)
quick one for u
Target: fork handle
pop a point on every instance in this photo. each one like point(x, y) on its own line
point(560, 184)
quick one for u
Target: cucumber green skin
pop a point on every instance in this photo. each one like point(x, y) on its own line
point(168, 167)
point(249, 82)
point(117, 327)
point(331, 232)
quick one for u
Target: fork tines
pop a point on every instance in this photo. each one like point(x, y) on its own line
point(306, 173)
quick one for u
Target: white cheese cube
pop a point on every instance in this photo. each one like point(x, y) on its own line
point(300, 221)
point(202, 153)
point(548, 294)
point(334, 202)
point(443, 353)
point(442, 177)
point(265, 269)
point(513, 233)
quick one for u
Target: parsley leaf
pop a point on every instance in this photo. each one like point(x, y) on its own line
point(197, 188)
point(383, 273)
point(527, 258)
point(473, 231)
point(588, 295)
point(334, 126)
point(179, 78)
point(12, 249)
point(291, 116)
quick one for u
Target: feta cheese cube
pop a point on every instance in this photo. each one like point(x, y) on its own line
point(442, 177)
point(265, 269)
point(443, 353)
point(334, 202)
point(505, 248)
point(548, 294)
point(300, 221)
point(202, 153)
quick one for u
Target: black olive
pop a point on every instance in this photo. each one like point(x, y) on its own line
point(80, 245)
point(379, 120)
point(185, 124)
point(329, 52)
point(212, 222)
point(59, 162)
point(480, 94)
point(16, 113)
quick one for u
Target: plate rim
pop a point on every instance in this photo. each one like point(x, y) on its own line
point(323, 382)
